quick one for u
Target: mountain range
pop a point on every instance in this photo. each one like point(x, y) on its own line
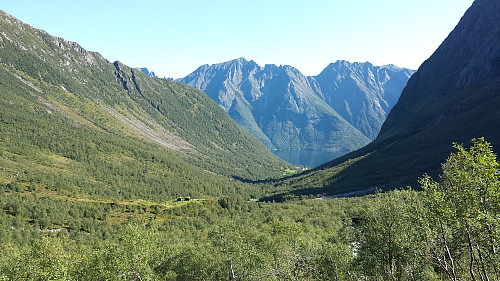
point(453, 97)
point(341, 109)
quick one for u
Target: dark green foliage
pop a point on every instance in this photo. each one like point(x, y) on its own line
point(199, 241)
point(386, 236)
point(463, 214)
point(448, 231)
point(14, 186)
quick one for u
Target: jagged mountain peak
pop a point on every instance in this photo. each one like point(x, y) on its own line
point(147, 72)
point(241, 60)
point(346, 63)
point(61, 45)
point(392, 67)
point(361, 93)
point(349, 67)
point(231, 63)
point(287, 110)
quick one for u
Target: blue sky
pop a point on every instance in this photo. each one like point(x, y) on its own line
point(174, 37)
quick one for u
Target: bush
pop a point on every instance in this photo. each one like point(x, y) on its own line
point(14, 186)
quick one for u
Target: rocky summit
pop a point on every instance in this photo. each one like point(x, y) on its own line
point(363, 94)
point(341, 109)
point(148, 73)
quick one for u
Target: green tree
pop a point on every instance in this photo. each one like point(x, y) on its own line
point(47, 259)
point(334, 262)
point(384, 243)
point(463, 218)
point(14, 186)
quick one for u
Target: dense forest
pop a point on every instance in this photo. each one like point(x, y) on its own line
point(447, 231)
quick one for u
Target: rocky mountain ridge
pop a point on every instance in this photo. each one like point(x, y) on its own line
point(363, 94)
point(147, 72)
point(341, 109)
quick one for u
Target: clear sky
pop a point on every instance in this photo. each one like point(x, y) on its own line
point(174, 37)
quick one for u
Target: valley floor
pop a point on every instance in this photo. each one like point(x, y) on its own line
point(435, 234)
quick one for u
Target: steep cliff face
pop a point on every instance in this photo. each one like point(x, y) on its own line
point(468, 59)
point(453, 97)
point(361, 93)
point(291, 114)
point(341, 109)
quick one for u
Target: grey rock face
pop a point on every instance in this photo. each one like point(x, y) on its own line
point(361, 93)
point(147, 72)
point(341, 109)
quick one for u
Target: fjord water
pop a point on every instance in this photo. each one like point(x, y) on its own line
point(309, 158)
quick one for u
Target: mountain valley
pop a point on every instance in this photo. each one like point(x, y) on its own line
point(110, 173)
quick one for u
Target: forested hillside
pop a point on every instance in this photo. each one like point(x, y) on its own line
point(441, 233)
point(71, 120)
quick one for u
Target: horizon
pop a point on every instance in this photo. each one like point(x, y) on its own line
point(173, 39)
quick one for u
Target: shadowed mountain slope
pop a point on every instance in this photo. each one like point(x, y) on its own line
point(453, 97)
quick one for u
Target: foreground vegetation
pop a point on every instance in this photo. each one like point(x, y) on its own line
point(448, 231)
